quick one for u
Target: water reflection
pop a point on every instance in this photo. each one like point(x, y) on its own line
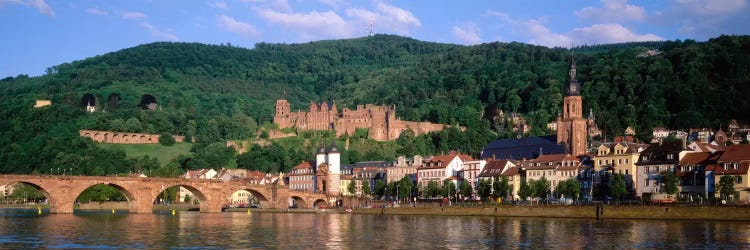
point(346, 231)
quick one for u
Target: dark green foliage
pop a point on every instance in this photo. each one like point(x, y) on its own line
point(669, 180)
point(351, 188)
point(484, 189)
point(619, 189)
point(23, 192)
point(166, 139)
point(465, 190)
point(540, 188)
point(432, 189)
point(405, 187)
point(215, 93)
point(525, 190)
point(501, 188)
point(366, 188)
point(449, 189)
point(101, 193)
point(380, 187)
point(570, 188)
point(726, 186)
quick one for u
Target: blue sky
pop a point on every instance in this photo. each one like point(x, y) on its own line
point(38, 34)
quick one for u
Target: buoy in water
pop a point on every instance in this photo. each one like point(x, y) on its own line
point(113, 210)
point(173, 212)
point(248, 211)
point(39, 210)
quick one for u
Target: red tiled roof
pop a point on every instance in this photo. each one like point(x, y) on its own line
point(549, 158)
point(493, 165)
point(736, 153)
point(449, 157)
point(711, 161)
point(744, 166)
point(694, 158)
point(303, 165)
point(511, 171)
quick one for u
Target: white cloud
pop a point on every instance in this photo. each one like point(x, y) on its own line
point(311, 25)
point(711, 7)
point(467, 34)
point(241, 28)
point(329, 24)
point(98, 12)
point(609, 33)
point(386, 18)
point(613, 10)
point(539, 34)
point(40, 5)
point(158, 33)
point(133, 15)
point(219, 5)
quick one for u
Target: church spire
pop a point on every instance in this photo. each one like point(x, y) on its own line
point(572, 87)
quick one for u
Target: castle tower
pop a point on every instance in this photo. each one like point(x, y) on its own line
point(334, 170)
point(282, 114)
point(571, 126)
point(320, 157)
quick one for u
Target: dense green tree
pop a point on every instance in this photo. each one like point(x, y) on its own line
point(484, 189)
point(432, 189)
point(351, 188)
point(380, 187)
point(101, 193)
point(366, 188)
point(619, 189)
point(540, 188)
point(449, 189)
point(726, 186)
point(670, 182)
point(213, 93)
point(166, 139)
point(570, 188)
point(23, 192)
point(501, 187)
point(465, 190)
point(525, 190)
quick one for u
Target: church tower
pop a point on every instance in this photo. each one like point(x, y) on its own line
point(571, 126)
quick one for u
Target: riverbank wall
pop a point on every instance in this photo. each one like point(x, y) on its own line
point(591, 212)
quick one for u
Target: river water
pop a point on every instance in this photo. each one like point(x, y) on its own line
point(193, 230)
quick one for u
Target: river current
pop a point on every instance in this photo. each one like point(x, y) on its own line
point(240, 230)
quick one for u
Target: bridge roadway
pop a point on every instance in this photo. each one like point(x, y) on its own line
point(63, 190)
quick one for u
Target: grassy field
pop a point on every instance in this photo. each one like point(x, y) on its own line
point(163, 153)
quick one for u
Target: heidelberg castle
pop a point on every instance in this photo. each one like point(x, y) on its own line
point(380, 121)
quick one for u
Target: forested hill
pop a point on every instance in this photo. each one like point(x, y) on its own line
point(220, 92)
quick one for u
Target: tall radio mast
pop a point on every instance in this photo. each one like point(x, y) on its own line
point(372, 19)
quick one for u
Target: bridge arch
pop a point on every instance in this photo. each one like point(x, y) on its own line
point(129, 196)
point(263, 200)
point(320, 203)
point(195, 193)
point(298, 201)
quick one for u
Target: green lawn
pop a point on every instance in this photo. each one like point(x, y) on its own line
point(161, 152)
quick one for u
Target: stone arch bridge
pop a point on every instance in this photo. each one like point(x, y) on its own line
point(63, 190)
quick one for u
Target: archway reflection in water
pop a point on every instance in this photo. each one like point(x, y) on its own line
point(297, 230)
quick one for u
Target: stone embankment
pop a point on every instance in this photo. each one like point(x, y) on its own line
point(591, 212)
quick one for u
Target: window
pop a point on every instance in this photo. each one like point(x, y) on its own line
point(626, 161)
point(739, 179)
point(646, 168)
point(670, 156)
